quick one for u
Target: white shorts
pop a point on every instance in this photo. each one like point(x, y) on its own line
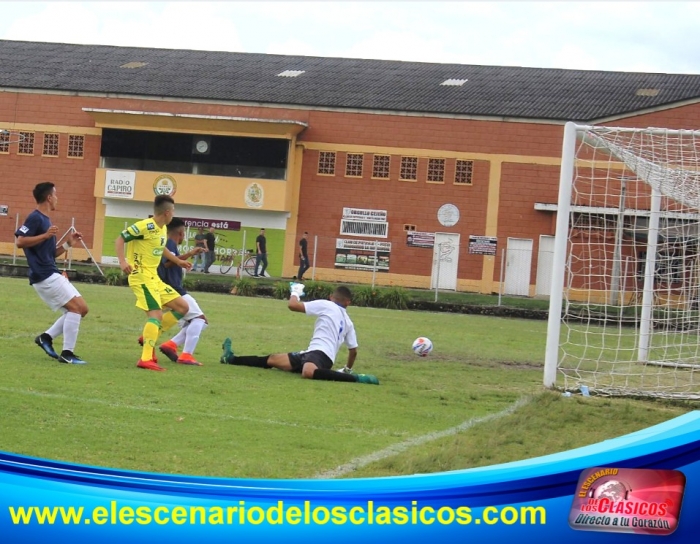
point(56, 291)
point(194, 310)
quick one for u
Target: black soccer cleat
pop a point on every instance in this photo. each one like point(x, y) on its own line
point(45, 342)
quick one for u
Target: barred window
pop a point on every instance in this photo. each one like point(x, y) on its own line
point(4, 141)
point(380, 166)
point(436, 170)
point(76, 146)
point(409, 169)
point(463, 172)
point(26, 143)
point(50, 145)
point(353, 166)
point(326, 163)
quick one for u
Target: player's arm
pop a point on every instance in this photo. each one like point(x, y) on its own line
point(176, 260)
point(296, 291)
point(295, 304)
point(352, 355)
point(119, 245)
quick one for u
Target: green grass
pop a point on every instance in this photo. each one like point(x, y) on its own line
point(220, 420)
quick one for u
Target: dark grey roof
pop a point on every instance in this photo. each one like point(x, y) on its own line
point(500, 91)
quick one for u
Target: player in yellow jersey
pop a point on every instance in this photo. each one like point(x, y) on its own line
point(144, 243)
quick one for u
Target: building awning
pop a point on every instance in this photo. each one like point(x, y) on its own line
point(193, 123)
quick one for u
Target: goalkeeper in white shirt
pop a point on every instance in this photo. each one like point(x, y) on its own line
point(333, 327)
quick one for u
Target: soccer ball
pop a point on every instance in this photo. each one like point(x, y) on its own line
point(422, 346)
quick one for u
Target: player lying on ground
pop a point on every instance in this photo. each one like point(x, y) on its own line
point(333, 327)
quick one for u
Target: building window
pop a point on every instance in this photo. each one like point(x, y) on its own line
point(409, 169)
point(436, 170)
point(463, 172)
point(50, 145)
point(380, 166)
point(409, 228)
point(4, 141)
point(26, 143)
point(353, 167)
point(76, 146)
point(326, 163)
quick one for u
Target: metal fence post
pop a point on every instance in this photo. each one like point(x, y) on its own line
point(14, 247)
point(437, 271)
point(500, 280)
point(374, 266)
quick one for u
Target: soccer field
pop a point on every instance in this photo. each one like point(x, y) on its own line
point(476, 400)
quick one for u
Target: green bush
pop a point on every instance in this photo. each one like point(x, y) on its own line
point(281, 290)
point(189, 283)
point(114, 276)
point(316, 290)
point(395, 298)
point(243, 287)
point(365, 295)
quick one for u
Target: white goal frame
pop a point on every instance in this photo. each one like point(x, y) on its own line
point(662, 181)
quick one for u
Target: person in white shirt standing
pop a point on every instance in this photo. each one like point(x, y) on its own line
point(333, 328)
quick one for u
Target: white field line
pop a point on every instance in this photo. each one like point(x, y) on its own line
point(390, 451)
point(187, 413)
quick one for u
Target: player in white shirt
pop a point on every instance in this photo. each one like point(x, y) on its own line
point(333, 328)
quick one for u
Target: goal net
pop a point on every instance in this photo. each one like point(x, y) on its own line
point(625, 302)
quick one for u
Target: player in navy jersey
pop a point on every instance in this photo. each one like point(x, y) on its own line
point(37, 238)
point(194, 321)
point(333, 328)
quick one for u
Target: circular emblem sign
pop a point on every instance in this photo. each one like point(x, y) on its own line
point(164, 185)
point(448, 215)
point(254, 195)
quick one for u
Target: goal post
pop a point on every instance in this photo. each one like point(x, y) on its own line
point(624, 309)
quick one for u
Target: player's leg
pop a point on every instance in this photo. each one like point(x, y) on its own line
point(148, 300)
point(59, 294)
point(76, 309)
point(318, 366)
point(193, 332)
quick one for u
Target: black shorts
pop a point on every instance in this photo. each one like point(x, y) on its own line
point(317, 357)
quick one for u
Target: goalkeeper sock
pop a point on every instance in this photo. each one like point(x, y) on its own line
point(333, 376)
point(250, 360)
point(151, 330)
point(169, 319)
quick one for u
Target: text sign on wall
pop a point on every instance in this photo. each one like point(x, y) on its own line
point(119, 184)
point(420, 239)
point(219, 224)
point(362, 255)
point(482, 245)
point(364, 215)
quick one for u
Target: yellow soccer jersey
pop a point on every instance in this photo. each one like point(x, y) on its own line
point(144, 248)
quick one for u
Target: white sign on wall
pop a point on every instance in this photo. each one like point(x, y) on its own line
point(119, 184)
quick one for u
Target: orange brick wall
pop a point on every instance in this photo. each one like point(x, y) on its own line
point(323, 197)
point(522, 185)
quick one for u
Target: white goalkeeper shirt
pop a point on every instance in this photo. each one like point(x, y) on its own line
point(333, 327)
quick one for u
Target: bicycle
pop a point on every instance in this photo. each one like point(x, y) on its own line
point(226, 262)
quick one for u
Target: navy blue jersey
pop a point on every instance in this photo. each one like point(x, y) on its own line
point(171, 275)
point(41, 258)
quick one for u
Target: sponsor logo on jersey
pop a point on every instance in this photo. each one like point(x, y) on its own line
point(158, 252)
point(135, 229)
point(23, 228)
point(151, 226)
